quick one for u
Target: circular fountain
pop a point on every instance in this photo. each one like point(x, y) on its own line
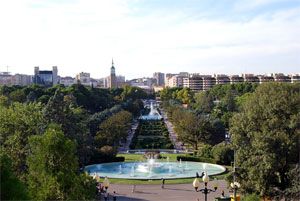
point(152, 169)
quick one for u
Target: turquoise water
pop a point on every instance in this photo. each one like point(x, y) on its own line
point(153, 169)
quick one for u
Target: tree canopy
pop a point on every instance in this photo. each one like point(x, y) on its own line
point(266, 138)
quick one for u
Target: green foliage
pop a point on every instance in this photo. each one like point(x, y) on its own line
point(205, 151)
point(11, 187)
point(191, 129)
point(185, 96)
point(251, 197)
point(222, 153)
point(133, 93)
point(113, 129)
point(292, 192)
point(203, 102)
point(53, 169)
point(196, 159)
point(17, 123)
point(266, 136)
point(61, 109)
point(17, 96)
point(151, 135)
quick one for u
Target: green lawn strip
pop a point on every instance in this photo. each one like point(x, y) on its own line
point(140, 157)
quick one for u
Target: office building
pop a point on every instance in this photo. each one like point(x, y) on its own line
point(45, 77)
point(160, 78)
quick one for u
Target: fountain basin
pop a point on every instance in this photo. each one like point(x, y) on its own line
point(153, 170)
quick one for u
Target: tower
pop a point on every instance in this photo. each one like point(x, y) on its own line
point(112, 80)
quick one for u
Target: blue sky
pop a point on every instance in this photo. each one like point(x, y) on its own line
point(145, 36)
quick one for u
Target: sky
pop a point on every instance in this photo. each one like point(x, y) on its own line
point(147, 36)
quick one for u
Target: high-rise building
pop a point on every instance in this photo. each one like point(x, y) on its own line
point(112, 78)
point(222, 79)
point(281, 78)
point(265, 78)
point(45, 77)
point(295, 78)
point(208, 82)
point(250, 78)
point(160, 78)
point(234, 79)
point(194, 82)
point(175, 81)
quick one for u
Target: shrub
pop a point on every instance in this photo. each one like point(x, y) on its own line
point(222, 154)
point(205, 151)
point(196, 159)
point(251, 197)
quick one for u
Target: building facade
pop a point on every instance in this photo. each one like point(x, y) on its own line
point(45, 77)
point(84, 78)
point(160, 78)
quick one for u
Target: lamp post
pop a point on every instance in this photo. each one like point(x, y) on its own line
point(106, 183)
point(204, 190)
point(235, 185)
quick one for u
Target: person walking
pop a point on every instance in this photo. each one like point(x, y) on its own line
point(106, 196)
point(114, 196)
point(133, 188)
point(162, 183)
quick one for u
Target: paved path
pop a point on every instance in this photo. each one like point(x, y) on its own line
point(173, 135)
point(125, 147)
point(171, 192)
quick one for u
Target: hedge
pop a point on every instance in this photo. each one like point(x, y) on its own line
point(196, 159)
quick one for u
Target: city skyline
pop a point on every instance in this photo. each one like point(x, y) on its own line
point(228, 37)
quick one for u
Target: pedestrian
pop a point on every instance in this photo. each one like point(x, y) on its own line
point(162, 183)
point(223, 194)
point(133, 188)
point(106, 196)
point(197, 175)
point(114, 196)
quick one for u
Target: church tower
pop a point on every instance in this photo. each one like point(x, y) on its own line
point(113, 79)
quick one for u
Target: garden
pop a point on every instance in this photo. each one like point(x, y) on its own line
point(151, 134)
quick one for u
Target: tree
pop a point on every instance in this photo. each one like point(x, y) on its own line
point(185, 96)
point(11, 187)
point(62, 109)
point(113, 129)
point(53, 168)
point(193, 129)
point(17, 123)
point(204, 102)
point(266, 138)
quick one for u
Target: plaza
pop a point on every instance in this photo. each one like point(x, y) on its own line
point(170, 192)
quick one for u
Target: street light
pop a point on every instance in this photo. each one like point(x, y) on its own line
point(205, 190)
point(106, 183)
point(234, 186)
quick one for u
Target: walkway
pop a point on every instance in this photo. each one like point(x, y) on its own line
point(124, 147)
point(173, 135)
point(171, 192)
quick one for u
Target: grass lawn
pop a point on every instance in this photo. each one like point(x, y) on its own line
point(140, 157)
point(172, 157)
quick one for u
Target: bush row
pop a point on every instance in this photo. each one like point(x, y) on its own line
point(196, 159)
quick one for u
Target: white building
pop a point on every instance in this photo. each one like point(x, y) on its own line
point(67, 81)
point(84, 78)
point(21, 79)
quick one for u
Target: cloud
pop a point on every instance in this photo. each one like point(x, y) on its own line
point(83, 36)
